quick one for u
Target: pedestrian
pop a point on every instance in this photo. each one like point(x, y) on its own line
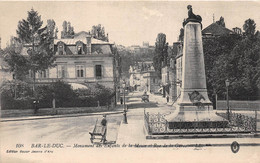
point(104, 120)
point(36, 105)
point(104, 127)
point(121, 100)
point(167, 98)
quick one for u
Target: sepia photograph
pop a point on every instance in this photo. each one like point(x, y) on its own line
point(129, 81)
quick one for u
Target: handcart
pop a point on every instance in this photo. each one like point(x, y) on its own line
point(99, 132)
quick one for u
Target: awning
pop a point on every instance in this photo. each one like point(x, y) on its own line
point(160, 89)
point(78, 86)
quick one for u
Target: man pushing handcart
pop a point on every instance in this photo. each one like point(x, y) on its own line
point(100, 130)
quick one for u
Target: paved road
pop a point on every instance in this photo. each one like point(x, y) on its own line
point(74, 130)
point(70, 129)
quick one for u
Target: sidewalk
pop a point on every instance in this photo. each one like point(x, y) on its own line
point(118, 110)
point(138, 134)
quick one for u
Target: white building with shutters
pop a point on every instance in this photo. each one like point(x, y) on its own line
point(81, 59)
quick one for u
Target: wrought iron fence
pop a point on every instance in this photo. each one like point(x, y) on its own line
point(156, 124)
point(242, 121)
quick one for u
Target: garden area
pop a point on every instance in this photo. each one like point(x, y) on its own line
point(20, 95)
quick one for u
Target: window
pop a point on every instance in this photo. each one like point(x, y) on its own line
point(60, 49)
point(79, 49)
point(153, 80)
point(31, 74)
point(43, 74)
point(80, 71)
point(98, 71)
point(61, 71)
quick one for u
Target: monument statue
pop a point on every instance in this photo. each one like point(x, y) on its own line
point(191, 16)
point(193, 108)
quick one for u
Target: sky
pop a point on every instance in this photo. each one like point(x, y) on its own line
point(127, 23)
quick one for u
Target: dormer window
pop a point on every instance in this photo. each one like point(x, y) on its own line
point(61, 48)
point(79, 49)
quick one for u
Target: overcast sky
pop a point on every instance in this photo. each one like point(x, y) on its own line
point(128, 23)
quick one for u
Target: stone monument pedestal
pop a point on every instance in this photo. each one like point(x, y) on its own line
point(193, 108)
point(195, 117)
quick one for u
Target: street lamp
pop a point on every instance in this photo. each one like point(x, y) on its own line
point(125, 118)
point(228, 109)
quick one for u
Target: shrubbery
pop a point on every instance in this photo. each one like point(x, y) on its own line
point(64, 95)
point(23, 96)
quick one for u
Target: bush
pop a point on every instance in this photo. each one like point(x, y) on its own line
point(64, 95)
point(23, 95)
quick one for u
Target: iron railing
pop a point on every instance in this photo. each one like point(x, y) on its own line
point(156, 124)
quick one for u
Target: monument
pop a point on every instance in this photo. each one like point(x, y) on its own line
point(194, 109)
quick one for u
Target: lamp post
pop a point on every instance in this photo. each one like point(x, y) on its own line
point(228, 109)
point(125, 118)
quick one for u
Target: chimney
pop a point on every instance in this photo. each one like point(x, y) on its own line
point(88, 44)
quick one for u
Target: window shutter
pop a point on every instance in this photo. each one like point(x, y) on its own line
point(59, 71)
point(102, 71)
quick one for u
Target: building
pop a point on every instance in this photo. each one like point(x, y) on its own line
point(168, 72)
point(145, 48)
point(82, 60)
point(215, 30)
point(143, 77)
point(178, 67)
point(237, 30)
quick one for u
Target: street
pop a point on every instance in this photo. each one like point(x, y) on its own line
point(71, 129)
point(72, 133)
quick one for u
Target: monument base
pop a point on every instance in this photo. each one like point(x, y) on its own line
point(188, 117)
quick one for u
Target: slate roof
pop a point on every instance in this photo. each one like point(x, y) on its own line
point(216, 30)
point(72, 41)
point(81, 36)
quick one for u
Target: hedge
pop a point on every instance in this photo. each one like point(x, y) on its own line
point(64, 96)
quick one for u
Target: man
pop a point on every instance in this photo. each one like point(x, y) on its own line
point(104, 121)
point(167, 98)
point(36, 105)
point(104, 127)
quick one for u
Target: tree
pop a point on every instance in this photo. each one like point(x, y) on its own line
point(221, 22)
point(181, 35)
point(161, 55)
point(235, 58)
point(217, 57)
point(249, 28)
point(29, 29)
point(68, 30)
point(40, 39)
point(98, 32)
point(244, 64)
point(17, 63)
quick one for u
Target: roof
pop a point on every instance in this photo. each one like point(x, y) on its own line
point(81, 36)
point(216, 29)
point(73, 41)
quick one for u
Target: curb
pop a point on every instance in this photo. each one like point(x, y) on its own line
point(60, 116)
